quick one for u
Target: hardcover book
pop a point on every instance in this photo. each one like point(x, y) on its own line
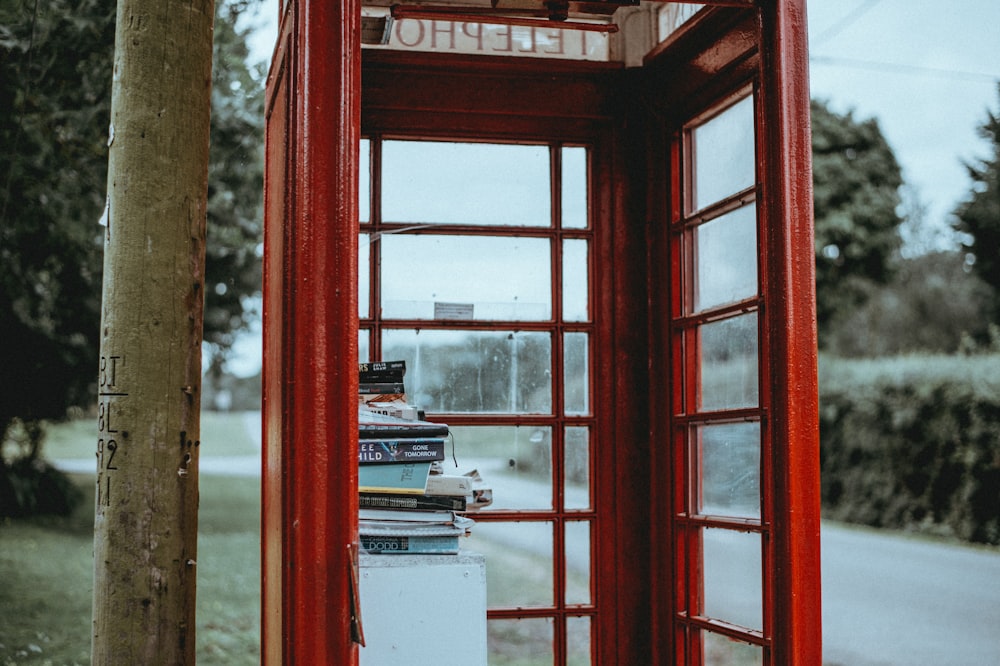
point(424, 516)
point(413, 449)
point(448, 484)
point(405, 545)
point(372, 425)
point(406, 478)
point(414, 502)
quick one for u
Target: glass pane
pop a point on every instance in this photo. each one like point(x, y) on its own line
point(466, 277)
point(576, 383)
point(724, 651)
point(520, 642)
point(673, 15)
point(575, 283)
point(723, 154)
point(519, 562)
point(364, 275)
point(576, 464)
point(574, 188)
point(730, 469)
point(578, 641)
point(732, 577)
point(363, 353)
point(577, 541)
point(726, 257)
point(729, 363)
point(514, 461)
point(465, 183)
point(450, 371)
point(364, 181)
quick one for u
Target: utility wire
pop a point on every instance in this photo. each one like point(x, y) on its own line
point(897, 68)
point(843, 23)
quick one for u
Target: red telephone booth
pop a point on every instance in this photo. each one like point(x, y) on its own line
point(605, 208)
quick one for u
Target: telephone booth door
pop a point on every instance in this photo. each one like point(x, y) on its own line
point(598, 269)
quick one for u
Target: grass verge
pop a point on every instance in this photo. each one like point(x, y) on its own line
point(46, 565)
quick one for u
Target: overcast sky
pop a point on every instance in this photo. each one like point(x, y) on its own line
point(926, 70)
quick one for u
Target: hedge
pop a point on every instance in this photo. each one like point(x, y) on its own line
point(913, 443)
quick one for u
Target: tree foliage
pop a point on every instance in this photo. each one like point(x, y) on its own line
point(55, 73)
point(235, 184)
point(56, 59)
point(932, 303)
point(856, 182)
point(979, 215)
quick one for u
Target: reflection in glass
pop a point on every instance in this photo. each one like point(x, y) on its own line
point(577, 541)
point(672, 15)
point(526, 641)
point(466, 277)
point(730, 469)
point(723, 154)
point(364, 275)
point(427, 182)
point(576, 465)
point(578, 641)
point(519, 562)
point(574, 188)
point(516, 461)
point(576, 369)
point(575, 283)
point(726, 257)
point(364, 181)
point(363, 335)
point(724, 651)
point(729, 363)
point(732, 577)
point(450, 371)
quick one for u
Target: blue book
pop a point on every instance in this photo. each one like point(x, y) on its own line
point(406, 478)
point(407, 545)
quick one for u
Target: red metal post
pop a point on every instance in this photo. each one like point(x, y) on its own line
point(791, 317)
point(310, 383)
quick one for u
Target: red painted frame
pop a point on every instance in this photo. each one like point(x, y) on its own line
point(309, 498)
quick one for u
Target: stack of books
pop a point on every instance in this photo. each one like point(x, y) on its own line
point(407, 504)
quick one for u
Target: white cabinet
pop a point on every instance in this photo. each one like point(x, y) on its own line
point(423, 610)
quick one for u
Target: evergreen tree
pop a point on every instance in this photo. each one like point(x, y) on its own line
point(979, 215)
point(856, 190)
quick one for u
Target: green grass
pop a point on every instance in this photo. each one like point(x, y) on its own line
point(72, 439)
point(222, 434)
point(46, 565)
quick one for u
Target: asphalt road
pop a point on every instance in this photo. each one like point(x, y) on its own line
point(902, 601)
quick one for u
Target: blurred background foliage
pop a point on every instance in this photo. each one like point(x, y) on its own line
point(55, 79)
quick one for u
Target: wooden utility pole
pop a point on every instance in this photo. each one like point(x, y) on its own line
point(145, 533)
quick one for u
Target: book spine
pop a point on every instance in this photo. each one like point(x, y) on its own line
point(382, 451)
point(427, 545)
point(381, 388)
point(383, 368)
point(408, 478)
point(374, 431)
point(416, 502)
